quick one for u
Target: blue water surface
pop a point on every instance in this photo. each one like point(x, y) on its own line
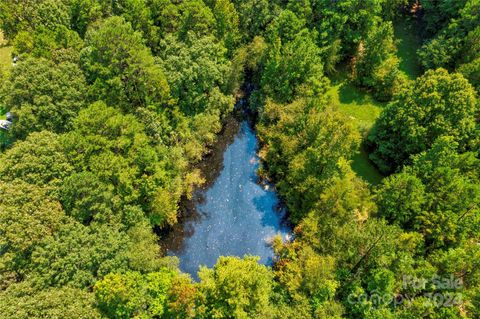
point(235, 216)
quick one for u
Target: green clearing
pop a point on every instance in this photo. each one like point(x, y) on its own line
point(364, 110)
point(409, 41)
point(5, 62)
point(5, 53)
point(361, 107)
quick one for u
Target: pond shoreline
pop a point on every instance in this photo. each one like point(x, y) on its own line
point(236, 211)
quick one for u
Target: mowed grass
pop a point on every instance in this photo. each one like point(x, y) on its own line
point(409, 41)
point(360, 105)
point(5, 62)
point(5, 53)
point(363, 110)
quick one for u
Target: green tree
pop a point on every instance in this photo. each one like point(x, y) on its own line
point(286, 27)
point(438, 195)
point(438, 104)
point(27, 216)
point(254, 16)
point(227, 23)
point(303, 143)
point(20, 301)
point(293, 68)
point(139, 15)
point(134, 295)
point(376, 65)
point(456, 41)
point(349, 21)
point(39, 160)
point(30, 14)
point(121, 69)
point(116, 150)
point(238, 288)
point(85, 12)
point(42, 95)
point(471, 71)
point(401, 198)
point(86, 198)
point(78, 255)
point(60, 44)
point(198, 71)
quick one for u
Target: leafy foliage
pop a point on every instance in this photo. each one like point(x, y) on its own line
point(438, 104)
point(121, 69)
point(42, 95)
point(114, 102)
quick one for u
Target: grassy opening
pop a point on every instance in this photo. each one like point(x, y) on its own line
point(5, 53)
point(360, 107)
point(409, 41)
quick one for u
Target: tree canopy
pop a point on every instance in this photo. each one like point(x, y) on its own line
point(438, 104)
point(110, 107)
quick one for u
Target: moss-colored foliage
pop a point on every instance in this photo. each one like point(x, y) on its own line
point(452, 179)
point(454, 39)
point(300, 165)
point(377, 65)
point(293, 68)
point(198, 71)
point(27, 216)
point(22, 302)
point(39, 160)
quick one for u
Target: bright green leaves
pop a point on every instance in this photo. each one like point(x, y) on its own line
point(438, 104)
point(293, 68)
point(239, 288)
point(39, 160)
point(127, 168)
point(376, 65)
point(303, 164)
point(197, 71)
point(42, 95)
point(438, 195)
point(134, 295)
point(27, 216)
point(121, 69)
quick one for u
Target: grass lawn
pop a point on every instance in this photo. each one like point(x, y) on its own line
point(5, 53)
point(362, 109)
point(5, 61)
point(409, 41)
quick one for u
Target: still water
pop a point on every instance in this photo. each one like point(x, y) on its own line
point(232, 214)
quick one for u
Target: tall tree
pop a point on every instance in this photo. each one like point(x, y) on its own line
point(42, 95)
point(121, 69)
point(39, 160)
point(239, 288)
point(438, 104)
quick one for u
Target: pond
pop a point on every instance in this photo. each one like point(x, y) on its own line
point(232, 214)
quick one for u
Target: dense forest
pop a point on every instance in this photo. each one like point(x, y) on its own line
point(111, 104)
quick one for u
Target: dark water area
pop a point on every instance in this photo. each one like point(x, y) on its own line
point(232, 214)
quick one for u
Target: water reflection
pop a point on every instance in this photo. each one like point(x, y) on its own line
point(232, 214)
